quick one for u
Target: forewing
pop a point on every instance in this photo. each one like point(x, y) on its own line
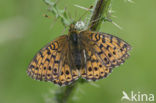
point(114, 48)
point(42, 67)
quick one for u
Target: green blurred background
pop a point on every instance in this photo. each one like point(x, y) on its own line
point(24, 30)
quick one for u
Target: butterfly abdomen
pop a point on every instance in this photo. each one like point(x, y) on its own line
point(77, 59)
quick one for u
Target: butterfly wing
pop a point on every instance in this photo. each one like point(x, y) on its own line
point(103, 52)
point(94, 68)
point(51, 63)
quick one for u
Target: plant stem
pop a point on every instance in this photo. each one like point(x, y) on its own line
point(100, 10)
point(64, 93)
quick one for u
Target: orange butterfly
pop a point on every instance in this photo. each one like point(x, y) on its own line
point(82, 53)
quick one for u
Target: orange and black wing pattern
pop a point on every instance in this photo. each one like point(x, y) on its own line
point(51, 63)
point(103, 52)
point(100, 52)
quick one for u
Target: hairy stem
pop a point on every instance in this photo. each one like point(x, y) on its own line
point(100, 10)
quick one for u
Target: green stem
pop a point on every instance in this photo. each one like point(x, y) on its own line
point(64, 93)
point(59, 13)
point(100, 10)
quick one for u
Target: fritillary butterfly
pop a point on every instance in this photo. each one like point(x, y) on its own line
point(82, 53)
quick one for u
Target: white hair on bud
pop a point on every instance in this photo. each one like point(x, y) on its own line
point(80, 25)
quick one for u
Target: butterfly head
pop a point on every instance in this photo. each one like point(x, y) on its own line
point(74, 31)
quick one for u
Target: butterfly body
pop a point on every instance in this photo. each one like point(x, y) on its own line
point(75, 48)
point(82, 53)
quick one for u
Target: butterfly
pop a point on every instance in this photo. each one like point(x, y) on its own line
point(80, 54)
